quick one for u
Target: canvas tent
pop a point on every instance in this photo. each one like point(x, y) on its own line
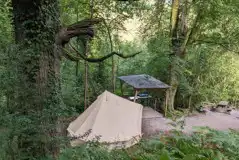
point(114, 120)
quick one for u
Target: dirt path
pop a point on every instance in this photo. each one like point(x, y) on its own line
point(214, 120)
point(153, 122)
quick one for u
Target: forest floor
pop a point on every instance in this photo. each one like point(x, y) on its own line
point(202, 144)
point(153, 122)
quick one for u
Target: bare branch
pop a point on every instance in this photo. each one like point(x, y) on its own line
point(94, 60)
point(69, 56)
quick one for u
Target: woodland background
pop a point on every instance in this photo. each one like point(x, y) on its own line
point(47, 64)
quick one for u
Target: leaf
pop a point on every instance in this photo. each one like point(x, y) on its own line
point(165, 156)
point(189, 157)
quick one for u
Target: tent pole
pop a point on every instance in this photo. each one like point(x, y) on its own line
point(135, 95)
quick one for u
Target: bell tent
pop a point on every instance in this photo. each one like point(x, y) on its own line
point(111, 120)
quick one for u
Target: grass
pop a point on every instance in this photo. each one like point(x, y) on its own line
point(205, 144)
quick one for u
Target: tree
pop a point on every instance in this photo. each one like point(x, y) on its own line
point(36, 24)
point(40, 39)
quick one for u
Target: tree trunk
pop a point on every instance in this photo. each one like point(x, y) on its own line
point(173, 79)
point(174, 85)
point(113, 70)
point(113, 74)
point(87, 51)
point(41, 42)
point(180, 36)
point(36, 24)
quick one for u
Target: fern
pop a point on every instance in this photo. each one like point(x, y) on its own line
point(205, 144)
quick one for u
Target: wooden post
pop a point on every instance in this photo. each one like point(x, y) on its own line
point(135, 95)
point(155, 103)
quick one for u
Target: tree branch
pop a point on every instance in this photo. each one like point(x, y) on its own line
point(94, 60)
point(190, 32)
point(83, 27)
point(69, 56)
point(224, 45)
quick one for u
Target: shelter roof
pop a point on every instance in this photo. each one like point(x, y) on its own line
point(143, 81)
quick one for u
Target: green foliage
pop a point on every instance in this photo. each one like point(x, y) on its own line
point(214, 75)
point(134, 65)
point(204, 145)
point(5, 19)
point(202, 73)
point(208, 72)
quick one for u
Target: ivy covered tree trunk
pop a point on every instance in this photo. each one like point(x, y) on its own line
point(179, 38)
point(173, 79)
point(181, 34)
point(38, 102)
point(174, 85)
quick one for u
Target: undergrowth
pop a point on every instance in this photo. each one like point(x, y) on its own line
point(205, 144)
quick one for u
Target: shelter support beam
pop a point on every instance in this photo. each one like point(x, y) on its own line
point(135, 95)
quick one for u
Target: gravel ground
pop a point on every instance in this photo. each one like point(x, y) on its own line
point(214, 120)
point(153, 122)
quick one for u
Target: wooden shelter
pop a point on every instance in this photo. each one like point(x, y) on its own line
point(143, 82)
